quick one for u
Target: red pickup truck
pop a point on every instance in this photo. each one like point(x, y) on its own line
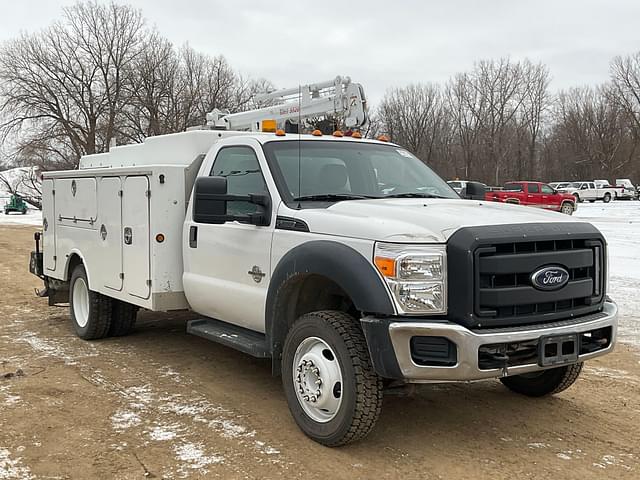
point(534, 194)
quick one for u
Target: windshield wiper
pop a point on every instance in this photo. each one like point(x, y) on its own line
point(413, 195)
point(332, 197)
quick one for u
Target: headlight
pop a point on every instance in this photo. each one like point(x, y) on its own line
point(416, 276)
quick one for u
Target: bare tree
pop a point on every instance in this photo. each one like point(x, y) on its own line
point(535, 105)
point(65, 85)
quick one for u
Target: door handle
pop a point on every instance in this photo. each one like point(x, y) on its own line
point(193, 236)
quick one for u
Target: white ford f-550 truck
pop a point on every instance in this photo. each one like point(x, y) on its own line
point(347, 262)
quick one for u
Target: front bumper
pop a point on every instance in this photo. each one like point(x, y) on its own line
point(391, 353)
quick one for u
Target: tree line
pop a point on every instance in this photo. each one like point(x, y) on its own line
point(100, 75)
point(500, 122)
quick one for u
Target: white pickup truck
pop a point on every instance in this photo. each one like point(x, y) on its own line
point(347, 262)
point(590, 191)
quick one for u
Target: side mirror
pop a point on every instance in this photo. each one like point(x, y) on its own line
point(475, 191)
point(210, 200)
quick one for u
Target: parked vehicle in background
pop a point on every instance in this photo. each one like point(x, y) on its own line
point(629, 191)
point(458, 185)
point(560, 185)
point(15, 204)
point(592, 191)
point(534, 194)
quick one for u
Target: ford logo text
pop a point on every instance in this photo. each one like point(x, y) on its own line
point(550, 278)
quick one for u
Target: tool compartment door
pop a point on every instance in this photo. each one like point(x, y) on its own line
point(135, 236)
point(48, 225)
point(110, 231)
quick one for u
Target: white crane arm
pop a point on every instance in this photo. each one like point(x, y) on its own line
point(339, 97)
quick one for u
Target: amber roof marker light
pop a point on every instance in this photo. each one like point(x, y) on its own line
point(269, 125)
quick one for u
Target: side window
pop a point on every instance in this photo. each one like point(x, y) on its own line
point(591, 185)
point(547, 189)
point(533, 188)
point(241, 168)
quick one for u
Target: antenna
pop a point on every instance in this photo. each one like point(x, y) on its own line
point(299, 145)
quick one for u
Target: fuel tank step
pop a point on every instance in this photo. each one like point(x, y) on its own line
point(242, 339)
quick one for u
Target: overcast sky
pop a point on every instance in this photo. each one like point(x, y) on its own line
point(381, 43)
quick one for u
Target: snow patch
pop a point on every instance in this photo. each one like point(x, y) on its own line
point(538, 445)
point(12, 468)
point(47, 347)
point(611, 460)
point(32, 217)
point(162, 433)
point(194, 458)
point(123, 420)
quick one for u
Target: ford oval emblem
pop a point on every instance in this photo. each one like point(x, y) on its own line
point(550, 278)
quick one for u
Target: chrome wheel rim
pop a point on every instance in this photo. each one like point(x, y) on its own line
point(81, 302)
point(317, 379)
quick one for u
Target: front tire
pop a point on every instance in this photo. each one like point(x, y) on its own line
point(567, 208)
point(547, 382)
point(606, 198)
point(332, 391)
point(90, 311)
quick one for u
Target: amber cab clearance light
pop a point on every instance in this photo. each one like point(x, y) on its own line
point(280, 133)
point(356, 135)
point(269, 126)
point(383, 138)
point(316, 133)
point(338, 133)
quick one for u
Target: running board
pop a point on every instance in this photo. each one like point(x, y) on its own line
point(243, 339)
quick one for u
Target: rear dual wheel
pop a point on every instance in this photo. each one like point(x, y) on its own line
point(331, 388)
point(95, 315)
point(90, 311)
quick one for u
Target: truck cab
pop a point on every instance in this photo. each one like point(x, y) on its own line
point(347, 262)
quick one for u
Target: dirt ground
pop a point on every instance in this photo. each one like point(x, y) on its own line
point(163, 404)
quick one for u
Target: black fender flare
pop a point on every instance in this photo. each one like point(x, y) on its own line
point(343, 265)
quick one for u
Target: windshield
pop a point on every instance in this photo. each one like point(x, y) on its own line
point(333, 171)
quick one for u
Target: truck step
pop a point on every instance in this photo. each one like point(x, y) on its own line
point(242, 339)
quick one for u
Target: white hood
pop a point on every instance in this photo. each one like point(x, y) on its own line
point(417, 220)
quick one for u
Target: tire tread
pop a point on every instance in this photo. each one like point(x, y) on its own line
point(369, 388)
point(123, 318)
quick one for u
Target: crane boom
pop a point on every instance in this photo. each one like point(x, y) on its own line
point(339, 97)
